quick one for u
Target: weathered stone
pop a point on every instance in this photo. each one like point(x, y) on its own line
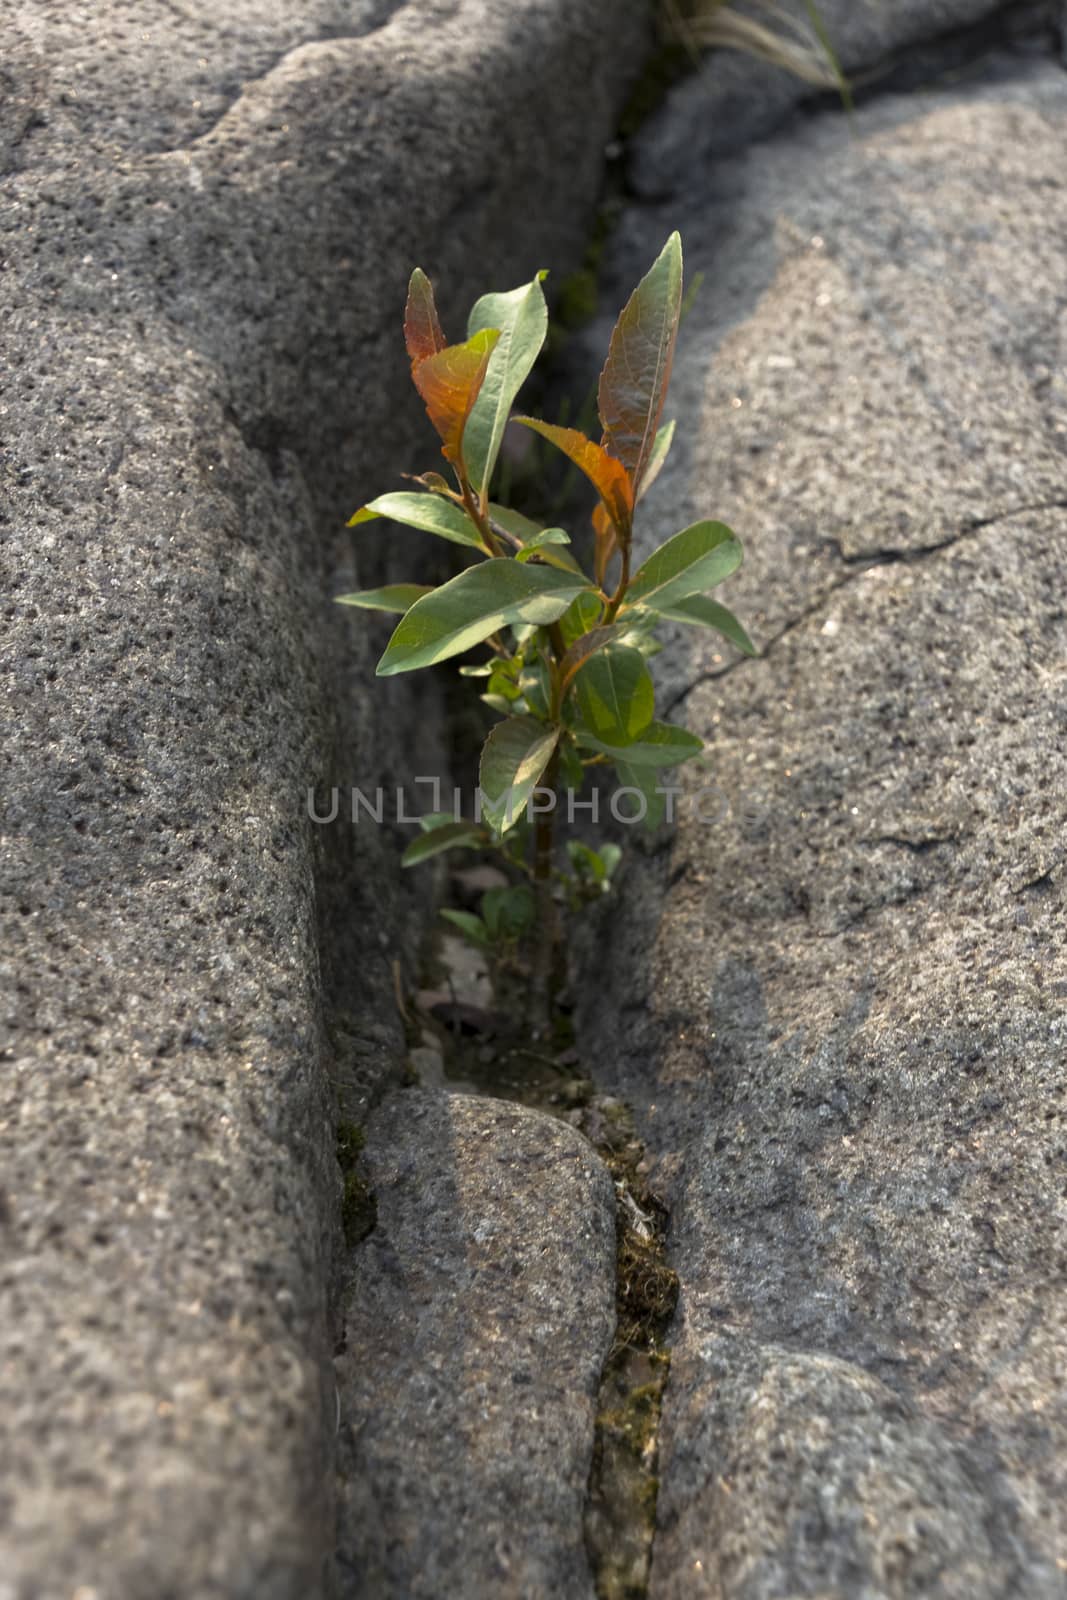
point(203, 376)
point(847, 1489)
point(476, 1330)
point(840, 1003)
point(107, 79)
point(737, 98)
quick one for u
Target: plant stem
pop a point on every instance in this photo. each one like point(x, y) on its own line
point(474, 511)
point(547, 921)
point(624, 580)
point(502, 533)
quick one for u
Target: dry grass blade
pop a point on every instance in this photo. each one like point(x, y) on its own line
point(782, 40)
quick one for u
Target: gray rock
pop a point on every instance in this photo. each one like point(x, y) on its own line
point(203, 377)
point(847, 1489)
point(737, 98)
point(480, 1318)
point(152, 80)
point(840, 1003)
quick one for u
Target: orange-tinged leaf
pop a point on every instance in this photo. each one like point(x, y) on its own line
point(422, 330)
point(606, 542)
point(633, 384)
point(607, 475)
point(449, 383)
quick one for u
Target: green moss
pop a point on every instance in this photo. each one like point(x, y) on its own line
point(578, 294)
point(350, 1141)
point(577, 299)
point(624, 1486)
point(359, 1211)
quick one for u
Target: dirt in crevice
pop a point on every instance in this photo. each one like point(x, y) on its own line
point(463, 1038)
point(620, 1511)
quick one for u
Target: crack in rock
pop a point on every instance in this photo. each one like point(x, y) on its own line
point(861, 563)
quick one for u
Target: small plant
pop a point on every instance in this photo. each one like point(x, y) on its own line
point(568, 644)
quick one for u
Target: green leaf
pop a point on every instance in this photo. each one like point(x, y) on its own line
point(656, 461)
point(496, 702)
point(633, 384)
point(472, 927)
point(587, 645)
point(514, 758)
point(615, 694)
point(550, 545)
point(474, 605)
point(482, 670)
point(539, 540)
point(586, 862)
point(449, 836)
point(572, 772)
point(508, 912)
point(584, 614)
point(596, 866)
point(644, 780)
point(658, 745)
point(429, 820)
point(638, 630)
point(522, 318)
point(503, 682)
point(394, 597)
point(450, 382)
point(695, 559)
point(534, 686)
point(514, 521)
point(610, 855)
point(427, 512)
point(708, 613)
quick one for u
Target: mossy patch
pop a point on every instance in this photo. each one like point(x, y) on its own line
point(620, 1518)
point(359, 1211)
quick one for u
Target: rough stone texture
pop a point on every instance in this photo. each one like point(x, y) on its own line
point(201, 358)
point(481, 1315)
point(737, 98)
point(156, 76)
point(841, 1006)
point(847, 1489)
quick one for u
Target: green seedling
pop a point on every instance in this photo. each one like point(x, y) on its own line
point(568, 641)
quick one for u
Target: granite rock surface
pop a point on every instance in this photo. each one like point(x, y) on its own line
point(840, 996)
point(479, 1318)
point(735, 99)
point(208, 218)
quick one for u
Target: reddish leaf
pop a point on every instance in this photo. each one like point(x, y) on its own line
point(449, 383)
point(608, 476)
point(422, 331)
point(579, 652)
point(633, 384)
